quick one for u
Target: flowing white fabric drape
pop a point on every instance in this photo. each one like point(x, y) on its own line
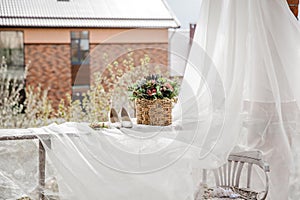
point(255, 45)
point(240, 89)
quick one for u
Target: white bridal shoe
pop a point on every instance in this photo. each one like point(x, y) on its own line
point(114, 121)
point(126, 121)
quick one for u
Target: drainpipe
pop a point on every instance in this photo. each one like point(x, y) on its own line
point(192, 32)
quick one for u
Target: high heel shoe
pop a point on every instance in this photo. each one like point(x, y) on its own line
point(114, 121)
point(126, 121)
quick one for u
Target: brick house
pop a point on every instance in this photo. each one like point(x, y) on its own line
point(56, 36)
point(294, 6)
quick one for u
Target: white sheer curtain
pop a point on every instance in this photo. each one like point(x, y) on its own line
point(255, 45)
point(241, 89)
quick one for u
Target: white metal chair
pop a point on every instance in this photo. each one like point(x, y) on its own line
point(229, 175)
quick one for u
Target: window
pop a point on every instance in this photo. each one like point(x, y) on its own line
point(12, 48)
point(80, 47)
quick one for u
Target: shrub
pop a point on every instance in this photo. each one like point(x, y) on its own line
point(36, 110)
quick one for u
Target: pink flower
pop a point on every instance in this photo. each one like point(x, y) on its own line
point(153, 81)
point(151, 92)
point(169, 86)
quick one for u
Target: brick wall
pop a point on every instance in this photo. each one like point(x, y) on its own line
point(50, 66)
point(157, 52)
point(294, 6)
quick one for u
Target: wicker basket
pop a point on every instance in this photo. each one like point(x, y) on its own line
point(156, 112)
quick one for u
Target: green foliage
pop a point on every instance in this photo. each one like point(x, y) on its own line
point(154, 87)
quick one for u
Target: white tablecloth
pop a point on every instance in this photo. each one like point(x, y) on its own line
point(142, 163)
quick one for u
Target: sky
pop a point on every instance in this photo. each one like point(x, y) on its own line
point(186, 11)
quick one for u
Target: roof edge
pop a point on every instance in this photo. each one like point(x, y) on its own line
point(91, 27)
point(87, 18)
point(171, 13)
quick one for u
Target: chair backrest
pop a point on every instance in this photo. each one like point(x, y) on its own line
point(229, 174)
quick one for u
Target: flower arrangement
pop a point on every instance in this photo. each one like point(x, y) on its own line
point(154, 87)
